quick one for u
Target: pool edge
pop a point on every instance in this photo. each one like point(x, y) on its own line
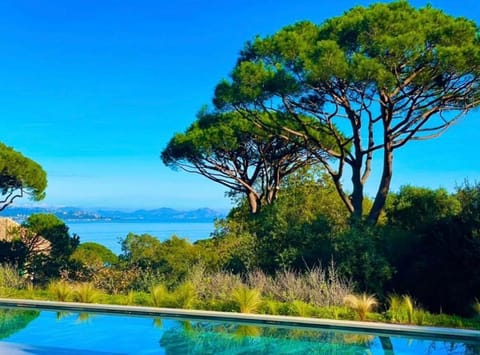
point(374, 327)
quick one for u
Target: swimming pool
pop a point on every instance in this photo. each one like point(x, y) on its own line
point(30, 327)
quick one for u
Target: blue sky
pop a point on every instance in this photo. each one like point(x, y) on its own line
point(93, 91)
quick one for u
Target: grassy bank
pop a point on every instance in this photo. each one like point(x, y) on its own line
point(313, 294)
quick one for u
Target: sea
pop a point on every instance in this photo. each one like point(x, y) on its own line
point(110, 234)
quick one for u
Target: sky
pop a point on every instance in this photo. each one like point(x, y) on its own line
point(94, 90)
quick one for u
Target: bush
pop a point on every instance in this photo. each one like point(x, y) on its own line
point(159, 296)
point(361, 304)
point(60, 290)
point(359, 256)
point(86, 292)
point(248, 300)
point(11, 278)
point(213, 286)
point(316, 286)
point(183, 296)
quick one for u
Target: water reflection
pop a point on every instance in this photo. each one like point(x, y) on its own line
point(120, 334)
point(206, 337)
point(12, 321)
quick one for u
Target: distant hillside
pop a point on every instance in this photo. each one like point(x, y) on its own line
point(19, 214)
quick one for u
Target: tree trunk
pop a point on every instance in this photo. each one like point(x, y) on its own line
point(253, 202)
point(357, 194)
point(384, 186)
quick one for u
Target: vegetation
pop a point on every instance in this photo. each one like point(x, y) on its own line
point(229, 150)
point(248, 300)
point(85, 292)
point(93, 255)
point(297, 241)
point(44, 266)
point(19, 176)
point(382, 75)
point(301, 261)
point(242, 297)
point(361, 304)
point(60, 290)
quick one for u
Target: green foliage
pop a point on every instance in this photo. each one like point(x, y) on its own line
point(419, 317)
point(19, 175)
point(172, 258)
point(390, 67)
point(86, 292)
point(159, 296)
point(60, 290)
point(249, 160)
point(414, 208)
point(177, 258)
point(302, 309)
point(122, 280)
point(359, 256)
point(63, 245)
point(248, 300)
point(93, 255)
point(142, 250)
point(13, 320)
point(184, 296)
point(10, 278)
point(408, 304)
point(292, 233)
point(395, 310)
point(14, 252)
point(402, 309)
point(441, 254)
point(232, 250)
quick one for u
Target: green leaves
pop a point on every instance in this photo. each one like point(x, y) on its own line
point(389, 67)
point(248, 152)
point(19, 175)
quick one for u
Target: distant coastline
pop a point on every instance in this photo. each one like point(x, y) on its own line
point(77, 214)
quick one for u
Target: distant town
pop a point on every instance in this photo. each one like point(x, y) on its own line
point(69, 214)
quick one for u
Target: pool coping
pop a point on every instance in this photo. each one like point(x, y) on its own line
point(376, 328)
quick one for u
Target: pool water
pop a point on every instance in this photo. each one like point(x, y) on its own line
point(50, 332)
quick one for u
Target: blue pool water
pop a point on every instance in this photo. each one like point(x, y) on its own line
point(50, 332)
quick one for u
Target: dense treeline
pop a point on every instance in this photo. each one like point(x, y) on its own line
point(336, 97)
point(426, 245)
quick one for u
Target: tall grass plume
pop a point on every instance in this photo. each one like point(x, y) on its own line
point(361, 304)
point(248, 300)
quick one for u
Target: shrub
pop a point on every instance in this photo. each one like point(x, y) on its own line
point(420, 316)
point(183, 296)
point(361, 304)
point(60, 290)
point(395, 308)
point(248, 300)
point(270, 307)
point(302, 309)
point(11, 278)
point(317, 286)
point(86, 292)
point(213, 286)
point(159, 295)
point(408, 304)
